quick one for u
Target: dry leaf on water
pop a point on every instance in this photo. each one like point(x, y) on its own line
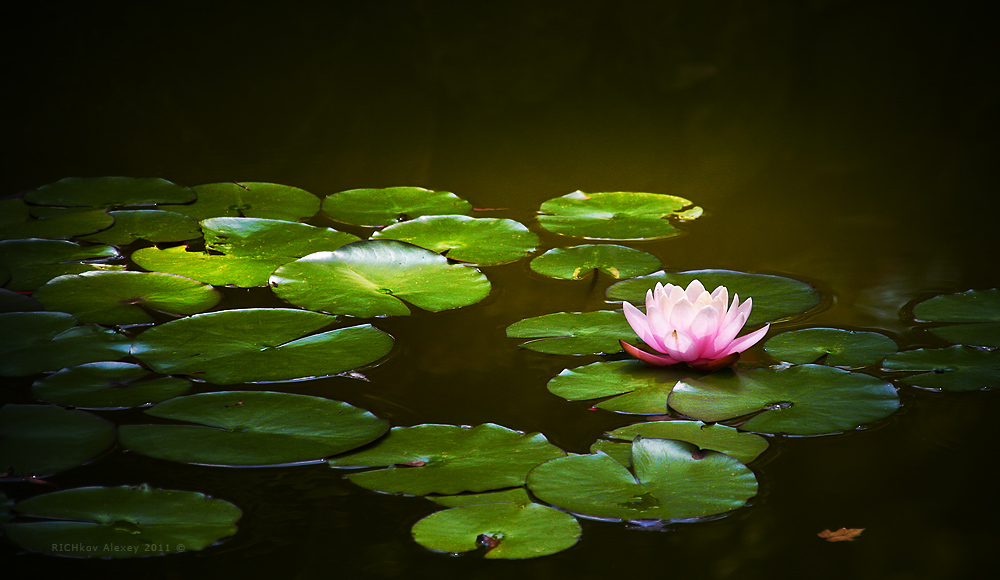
point(841, 535)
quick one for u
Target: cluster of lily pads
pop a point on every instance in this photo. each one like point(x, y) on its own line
point(112, 300)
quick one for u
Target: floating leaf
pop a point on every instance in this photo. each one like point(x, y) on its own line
point(832, 346)
point(11, 301)
point(976, 334)
point(122, 522)
point(39, 440)
point(980, 307)
point(617, 215)
point(16, 222)
point(125, 297)
point(35, 342)
point(250, 199)
point(5, 508)
point(573, 332)
point(374, 278)
point(34, 262)
point(484, 241)
point(956, 368)
point(109, 192)
point(518, 495)
point(445, 459)
point(383, 207)
point(252, 428)
point(510, 531)
point(102, 385)
point(258, 344)
point(576, 262)
point(841, 535)
point(743, 446)
point(146, 224)
point(799, 400)
point(640, 388)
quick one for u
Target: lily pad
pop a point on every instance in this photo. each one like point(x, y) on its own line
point(122, 522)
point(146, 224)
point(242, 251)
point(16, 222)
point(107, 385)
point(616, 215)
point(35, 342)
point(374, 278)
point(445, 459)
point(573, 332)
point(250, 199)
point(743, 446)
point(576, 262)
point(34, 262)
point(510, 531)
point(799, 400)
point(252, 428)
point(981, 308)
point(258, 344)
point(634, 386)
point(774, 297)
point(974, 334)
point(830, 346)
point(39, 440)
point(5, 509)
point(956, 368)
point(670, 480)
point(125, 297)
point(484, 241)
point(386, 206)
point(11, 301)
point(110, 192)
point(518, 495)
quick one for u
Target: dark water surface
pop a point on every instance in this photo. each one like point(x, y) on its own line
point(848, 144)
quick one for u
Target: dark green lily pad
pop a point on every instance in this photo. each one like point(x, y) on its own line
point(518, 495)
point(5, 509)
point(39, 440)
point(252, 428)
point(374, 278)
point(35, 342)
point(573, 332)
point(673, 480)
point(774, 297)
point(616, 215)
point(974, 334)
point(258, 344)
point(979, 307)
point(107, 385)
point(146, 224)
point(510, 531)
point(386, 206)
point(445, 459)
point(832, 346)
point(122, 522)
point(125, 297)
point(34, 262)
point(250, 199)
point(242, 251)
point(743, 446)
point(109, 192)
point(956, 368)
point(576, 262)
point(11, 301)
point(484, 241)
point(799, 400)
point(16, 222)
point(639, 388)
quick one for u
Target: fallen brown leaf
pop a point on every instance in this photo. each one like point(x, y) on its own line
point(841, 535)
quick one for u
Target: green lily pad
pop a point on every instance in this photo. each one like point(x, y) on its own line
point(634, 387)
point(979, 307)
point(16, 222)
point(252, 200)
point(252, 428)
point(743, 446)
point(125, 297)
point(518, 495)
point(39, 440)
point(107, 385)
point(573, 332)
point(975, 334)
point(146, 224)
point(374, 278)
point(576, 262)
point(242, 251)
point(774, 297)
point(484, 241)
point(34, 262)
point(511, 531)
point(109, 192)
point(122, 522)
point(258, 344)
point(799, 400)
point(35, 342)
point(833, 346)
point(616, 215)
point(445, 459)
point(956, 368)
point(11, 301)
point(386, 206)
point(670, 480)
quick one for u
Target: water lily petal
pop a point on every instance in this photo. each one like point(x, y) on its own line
point(659, 360)
point(638, 321)
point(744, 342)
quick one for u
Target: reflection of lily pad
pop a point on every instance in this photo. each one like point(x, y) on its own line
point(16, 222)
point(617, 215)
point(576, 262)
point(743, 446)
point(673, 480)
point(252, 428)
point(35, 342)
point(34, 262)
point(258, 344)
point(109, 192)
point(386, 206)
point(446, 459)
point(799, 400)
point(38, 440)
point(374, 278)
point(484, 241)
point(146, 224)
point(639, 388)
point(774, 297)
point(250, 199)
point(981, 308)
point(107, 385)
point(122, 522)
point(573, 332)
point(510, 531)
point(956, 368)
point(836, 347)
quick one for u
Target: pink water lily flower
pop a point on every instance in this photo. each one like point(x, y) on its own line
point(691, 326)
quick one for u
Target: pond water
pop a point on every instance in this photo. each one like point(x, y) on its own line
point(850, 145)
